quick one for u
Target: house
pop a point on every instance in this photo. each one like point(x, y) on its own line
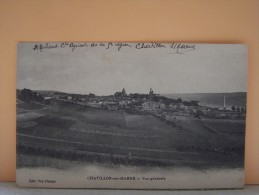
point(162, 106)
point(94, 104)
point(123, 102)
point(48, 98)
point(153, 106)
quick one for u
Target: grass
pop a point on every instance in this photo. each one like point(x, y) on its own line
point(78, 131)
point(28, 116)
point(52, 121)
point(30, 105)
point(227, 126)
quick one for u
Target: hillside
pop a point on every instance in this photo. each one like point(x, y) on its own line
point(213, 99)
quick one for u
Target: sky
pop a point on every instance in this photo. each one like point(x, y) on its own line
point(208, 68)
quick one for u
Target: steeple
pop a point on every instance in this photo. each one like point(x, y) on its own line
point(224, 102)
point(151, 92)
point(123, 92)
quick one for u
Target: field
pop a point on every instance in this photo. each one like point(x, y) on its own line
point(71, 132)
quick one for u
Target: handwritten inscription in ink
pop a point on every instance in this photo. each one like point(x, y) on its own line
point(171, 48)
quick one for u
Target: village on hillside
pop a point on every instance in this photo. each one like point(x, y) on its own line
point(154, 104)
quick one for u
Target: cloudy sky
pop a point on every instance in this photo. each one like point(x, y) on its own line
point(208, 68)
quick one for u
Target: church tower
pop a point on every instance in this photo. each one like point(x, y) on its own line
point(123, 92)
point(151, 93)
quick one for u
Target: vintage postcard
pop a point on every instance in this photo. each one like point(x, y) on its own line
point(131, 115)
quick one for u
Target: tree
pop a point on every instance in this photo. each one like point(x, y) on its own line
point(179, 100)
point(233, 108)
point(28, 95)
point(91, 95)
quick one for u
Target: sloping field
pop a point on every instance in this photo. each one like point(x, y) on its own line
point(75, 132)
point(28, 116)
point(227, 126)
point(30, 105)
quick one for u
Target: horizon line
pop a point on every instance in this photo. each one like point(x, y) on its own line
point(168, 93)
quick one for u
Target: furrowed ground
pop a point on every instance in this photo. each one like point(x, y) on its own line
point(69, 132)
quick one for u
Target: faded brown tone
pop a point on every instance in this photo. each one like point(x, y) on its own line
point(201, 21)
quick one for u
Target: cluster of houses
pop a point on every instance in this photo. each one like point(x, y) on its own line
point(150, 103)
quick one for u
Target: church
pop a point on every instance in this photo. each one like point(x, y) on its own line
point(121, 94)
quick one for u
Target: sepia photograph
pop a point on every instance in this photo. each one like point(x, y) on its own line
point(130, 115)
